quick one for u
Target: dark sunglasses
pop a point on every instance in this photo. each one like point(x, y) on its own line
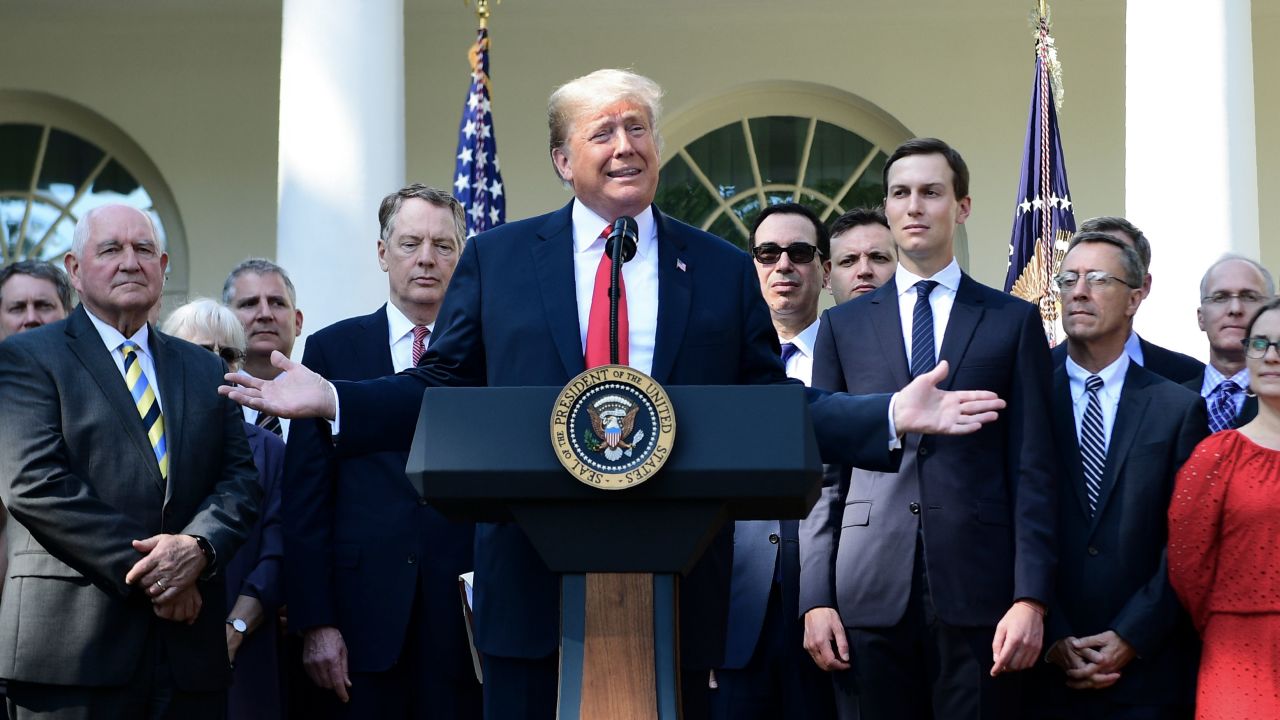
point(229, 355)
point(770, 253)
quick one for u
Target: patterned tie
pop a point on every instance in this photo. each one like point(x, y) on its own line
point(420, 333)
point(922, 358)
point(788, 350)
point(270, 423)
point(598, 321)
point(1093, 445)
point(1222, 411)
point(144, 398)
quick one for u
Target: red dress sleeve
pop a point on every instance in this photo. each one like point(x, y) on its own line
point(1195, 519)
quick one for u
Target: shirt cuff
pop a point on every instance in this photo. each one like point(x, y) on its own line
point(895, 440)
point(337, 410)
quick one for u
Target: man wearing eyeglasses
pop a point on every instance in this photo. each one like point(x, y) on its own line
point(1123, 432)
point(1232, 290)
point(923, 589)
point(766, 672)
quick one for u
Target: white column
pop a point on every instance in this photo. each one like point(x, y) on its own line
point(341, 150)
point(1191, 175)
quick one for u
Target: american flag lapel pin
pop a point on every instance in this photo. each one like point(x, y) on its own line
point(680, 265)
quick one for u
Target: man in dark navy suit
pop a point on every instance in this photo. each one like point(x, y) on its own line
point(519, 314)
point(1231, 292)
point(925, 587)
point(1119, 644)
point(373, 572)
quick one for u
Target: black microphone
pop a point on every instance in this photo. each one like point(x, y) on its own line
point(621, 247)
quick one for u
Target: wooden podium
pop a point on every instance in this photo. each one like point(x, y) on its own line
point(620, 552)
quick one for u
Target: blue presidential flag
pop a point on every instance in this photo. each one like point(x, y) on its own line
point(1043, 221)
point(477, 179)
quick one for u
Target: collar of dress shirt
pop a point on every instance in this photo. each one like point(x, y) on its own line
point(806, 339)
point(1112, 379)
point(587, 226)
point(1133, 348)
point(1213, 378)
point(948, 277)
point(112, 337)
point(398, 326)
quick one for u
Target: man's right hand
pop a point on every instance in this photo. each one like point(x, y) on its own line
point(921, 407)
point(823, 629)
point(296, 393)
point(182, 606)
point(324, 655)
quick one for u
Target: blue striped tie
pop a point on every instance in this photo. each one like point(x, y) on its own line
point(922, 358)
point(144, 398)
point(1093, 443)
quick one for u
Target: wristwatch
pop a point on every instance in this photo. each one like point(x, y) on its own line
point(210, 556)
point(238, 624)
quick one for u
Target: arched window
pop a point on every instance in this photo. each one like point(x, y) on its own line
point(58, 160)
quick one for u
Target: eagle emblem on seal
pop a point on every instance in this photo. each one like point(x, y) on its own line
point(612, 432)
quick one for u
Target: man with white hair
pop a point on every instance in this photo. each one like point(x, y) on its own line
point(130, 487)
point(527, 307)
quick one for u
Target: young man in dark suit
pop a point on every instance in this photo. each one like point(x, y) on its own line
point(1119, 644)
point(925, 588)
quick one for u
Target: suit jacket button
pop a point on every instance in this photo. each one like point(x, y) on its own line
point(422, 501)
point(1093, 550)
point(412, 558)
point(915, 508)
point(924, 451)
point(773, 538)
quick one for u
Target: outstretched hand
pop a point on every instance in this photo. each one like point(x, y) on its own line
point(295, 393)
point(923, 408)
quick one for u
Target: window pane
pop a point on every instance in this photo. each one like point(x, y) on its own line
point(59, 242)
point(67, 164)
point(779, 196)
point(836, 154)
point(113, 185)
point(815, 204)
point(722, 155)
point(724, 227)
point(747, 210)
point(779, 143)
point(681, 195)
point(869, 190)
point(18, 147)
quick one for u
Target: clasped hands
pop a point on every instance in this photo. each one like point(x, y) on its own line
point(167, 573)
point(1092, 662)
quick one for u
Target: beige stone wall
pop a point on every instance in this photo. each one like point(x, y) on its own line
point(1266, 99)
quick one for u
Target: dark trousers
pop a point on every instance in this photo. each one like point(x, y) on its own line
point(780, 680)
point(150, 694)
point(922, 668)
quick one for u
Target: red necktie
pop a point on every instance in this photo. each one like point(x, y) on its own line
point(420, 333)
point(598, 324)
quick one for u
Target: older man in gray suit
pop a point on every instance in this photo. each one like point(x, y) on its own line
point(131, 485)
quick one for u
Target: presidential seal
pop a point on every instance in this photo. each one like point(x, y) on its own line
point(612, 427)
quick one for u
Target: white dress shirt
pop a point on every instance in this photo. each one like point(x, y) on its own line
point(800, 364)
point(400, 338)
point(1108, 397)
point(640, 276)
point(1213, 378)
point(1133, 348)
point(113, 338)
point(941, 300)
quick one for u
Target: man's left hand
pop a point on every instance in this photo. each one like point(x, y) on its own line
point(1108, 653)
point(170, 564)
point(184, 606)
point(921, 407)
point(1018, 638)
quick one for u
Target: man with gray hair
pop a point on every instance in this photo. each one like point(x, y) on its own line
point(1166, 363)
point(1232, 290)
point(385, 636)
point(130, 487)
point(261, 294)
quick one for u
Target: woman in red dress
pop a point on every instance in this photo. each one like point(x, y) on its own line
point(1224, 545)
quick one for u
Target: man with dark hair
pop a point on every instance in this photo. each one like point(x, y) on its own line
point(261, 294)
point(1166, 363)
point(766, 673)
point(32, 293)
point(925, 587)
point(386, 636)
point(1232, 291)
point(1118, 642)
point(863, 254)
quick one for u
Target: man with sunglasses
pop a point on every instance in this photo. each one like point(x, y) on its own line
point(766, 672)
point(1232, 290)
point(1122, 433)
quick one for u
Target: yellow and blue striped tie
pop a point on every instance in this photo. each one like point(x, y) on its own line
point(144, 399)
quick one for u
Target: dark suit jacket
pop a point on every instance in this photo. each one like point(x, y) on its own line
point(80, 480)
point(1168, 364)
point(1112, 571)
point(1248, 411)
point(511, 318)
point(364, 552)
point(986, 501)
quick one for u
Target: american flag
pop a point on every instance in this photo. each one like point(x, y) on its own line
point(477, 179)
point(1043, 221)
